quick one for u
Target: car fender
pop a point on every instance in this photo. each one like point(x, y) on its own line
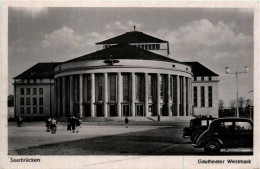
point(204, 141)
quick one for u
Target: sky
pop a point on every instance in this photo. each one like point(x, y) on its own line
point(215, 37)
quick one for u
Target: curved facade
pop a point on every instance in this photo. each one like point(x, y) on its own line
point(130, 75)
point(131, 87)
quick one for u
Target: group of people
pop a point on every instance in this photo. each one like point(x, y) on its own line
point(74, 124)
point(51, 125)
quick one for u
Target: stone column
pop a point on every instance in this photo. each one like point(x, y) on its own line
point(59, 95)
point(80, 95)
point(178, 95)
point(119, 93)
point(158, 94)
point(92, 101)
point(105, 94)
point(184, 96)
point(146, 94)
point(133, 94)
point(71, 96)
point(63, 96)
point(169, 94)
point(190, 104)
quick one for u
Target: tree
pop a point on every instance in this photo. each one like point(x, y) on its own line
point(10, 100)
point(221, 105)
point(233, 104)
point(249, 102)
point(241, 102)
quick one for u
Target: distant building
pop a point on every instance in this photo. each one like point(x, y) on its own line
point(130, 75)
point(34, 91)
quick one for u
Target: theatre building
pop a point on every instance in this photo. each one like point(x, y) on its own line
point(129, 75)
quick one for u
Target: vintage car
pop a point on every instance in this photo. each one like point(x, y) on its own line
point(197, 126)
point(226, 133)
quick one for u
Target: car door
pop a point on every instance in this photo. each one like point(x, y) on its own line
point(243, 134)
point(225, 132)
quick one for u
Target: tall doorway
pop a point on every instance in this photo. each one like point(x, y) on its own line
point(126, 110)
point(139, 110)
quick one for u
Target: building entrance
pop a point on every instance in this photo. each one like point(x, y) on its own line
point(139, 110)
point(112, 110)
point(99, 110)
point(126, 110)
point(87, 109)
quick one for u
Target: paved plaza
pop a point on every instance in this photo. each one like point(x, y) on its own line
point(158, 138)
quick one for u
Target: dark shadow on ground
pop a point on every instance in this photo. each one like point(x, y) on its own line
point(162, 141)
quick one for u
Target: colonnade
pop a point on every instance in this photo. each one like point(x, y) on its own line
point(70, 91)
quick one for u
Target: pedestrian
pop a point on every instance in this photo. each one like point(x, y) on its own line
point(73, 123)
point(69, 124)
point(158, 117)
point(48, 124)
point(126, 122)
point(20, 122)
point(53, 125)
point(78, 124)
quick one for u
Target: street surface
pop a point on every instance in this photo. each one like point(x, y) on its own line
point(154, 138)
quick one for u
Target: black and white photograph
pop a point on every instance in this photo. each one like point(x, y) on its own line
point(136, 83)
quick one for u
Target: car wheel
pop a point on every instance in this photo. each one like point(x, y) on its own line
point(212, 147)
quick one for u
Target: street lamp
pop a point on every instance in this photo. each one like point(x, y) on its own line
point(237, 73)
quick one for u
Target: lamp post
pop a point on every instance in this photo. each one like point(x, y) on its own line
point(236, 73)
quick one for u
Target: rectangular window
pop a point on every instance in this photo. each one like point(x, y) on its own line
point(28, 91)
point(88, 88)
point(35, 110)
point(125, 87)
point(28, 80)
point(202, 78)
point(161, 86)
point(34, 80)
point(139, 87)
point(22, 110)
point(99, 87)
point(150, 86)
point(210, 78)
point(202, 92)
point(195, 96)
point(146, 47)
point(157, 46)
point(34, 101)
point(41, 110)
point(210, 95)
point(112, 85)
point(28, 110)
point(41, 91)
point(150, 46)
point(41, 101)
point(21, 91)
point(171, 87)
point(195, 78)
point(34, 91)
point(28, 101)
point(153, 46)
point(22, 101)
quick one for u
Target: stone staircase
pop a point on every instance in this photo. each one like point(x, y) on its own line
point(122, 119)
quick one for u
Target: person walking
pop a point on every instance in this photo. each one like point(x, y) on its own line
point(78, 124)
point(158, 117)
point(69, 124)
point(53, 125)
point(73, 123)
point(126, 122)
point(20, 122)
point(48, 124)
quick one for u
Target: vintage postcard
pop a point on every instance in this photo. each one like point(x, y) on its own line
point(132, 84)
